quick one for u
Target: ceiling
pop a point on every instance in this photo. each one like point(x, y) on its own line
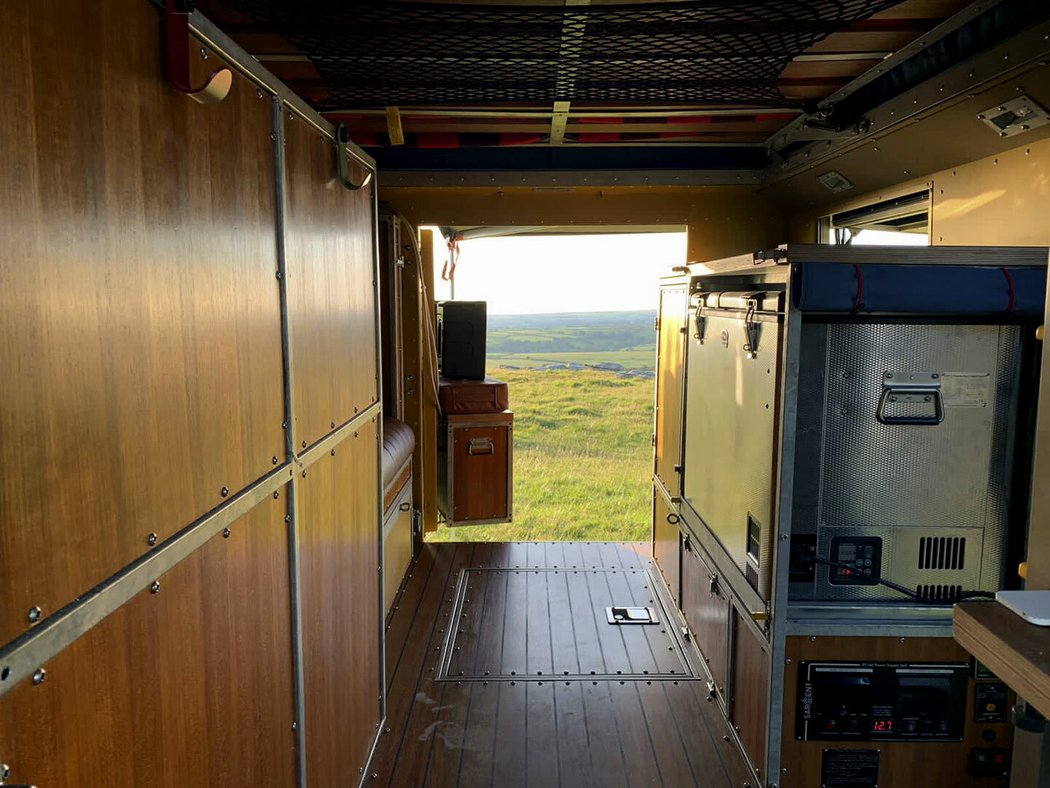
point(733, 86)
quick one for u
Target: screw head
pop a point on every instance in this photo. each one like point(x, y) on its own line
point(154, 587)
point(224, 491)
point(226, 533)
point(34, 614)
point(151, 540)
point(204, 53)
point(276, 493)
point(39, 676)
point(273, 460)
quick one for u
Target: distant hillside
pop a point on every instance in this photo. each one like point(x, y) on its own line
point(570, 332)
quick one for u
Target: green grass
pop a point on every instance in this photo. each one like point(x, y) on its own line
point(582, 458)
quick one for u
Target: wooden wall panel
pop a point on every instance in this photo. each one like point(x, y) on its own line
point(138, 303)
point(188, 686)
point(339, 549)
point(721, 220)
point(706, 609)
point(424, 462)
point(902, 764)
point(331, 301)
point(751, 675)
point(667, 545)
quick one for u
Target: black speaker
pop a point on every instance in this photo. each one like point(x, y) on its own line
point(461, 327)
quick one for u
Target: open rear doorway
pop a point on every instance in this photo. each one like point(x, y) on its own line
point(571, 329)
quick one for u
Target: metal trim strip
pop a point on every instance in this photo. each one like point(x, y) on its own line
point(294, 571)
point(20, 658)
point(24, 655)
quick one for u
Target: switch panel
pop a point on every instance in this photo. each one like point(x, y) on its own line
point(881, 701)
point(855, 560)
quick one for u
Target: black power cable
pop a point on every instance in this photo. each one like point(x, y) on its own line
point(961, 596)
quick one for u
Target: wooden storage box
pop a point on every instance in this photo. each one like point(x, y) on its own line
point(475, 476)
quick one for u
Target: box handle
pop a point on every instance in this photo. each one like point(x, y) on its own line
point(911, 398)
point(479, 446)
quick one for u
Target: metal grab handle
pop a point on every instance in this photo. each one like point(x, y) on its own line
point(892, 396)
point(342, 139)
point(177, 66)
point(479, 446)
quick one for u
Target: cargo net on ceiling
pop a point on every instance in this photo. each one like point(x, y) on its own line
point(374, 54)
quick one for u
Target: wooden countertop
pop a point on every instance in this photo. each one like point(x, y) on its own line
point(1016, 651)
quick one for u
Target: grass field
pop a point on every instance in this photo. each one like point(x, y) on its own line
point(582, 456)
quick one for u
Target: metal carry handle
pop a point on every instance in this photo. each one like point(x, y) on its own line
point(479, 446)
point(891, 396)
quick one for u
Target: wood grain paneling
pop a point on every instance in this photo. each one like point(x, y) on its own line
point(425, 459)
point(901, 764)
point(138, 302)
point(188, 686)
point(750, 710)
point(1012, 648)
point(706, 610)
point(721, 221)
point(339, 544)
point(667, 545)
point(670, 380)
point(331, 300)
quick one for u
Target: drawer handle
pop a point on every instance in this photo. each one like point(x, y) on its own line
point(479, 446)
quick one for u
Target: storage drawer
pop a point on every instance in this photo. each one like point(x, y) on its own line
point(475, 468)
point(667, 545)
point(705, 606)
point(397, 544)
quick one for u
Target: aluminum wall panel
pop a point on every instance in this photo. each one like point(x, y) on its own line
point(902, 482)
point(730, 436)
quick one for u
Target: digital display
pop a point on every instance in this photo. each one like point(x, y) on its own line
point(882, 726)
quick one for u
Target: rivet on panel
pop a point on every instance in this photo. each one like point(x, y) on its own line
point(39, 676)
point(304, 474)
point(333, 425)
point(333, 452)
point(225, 533)
point(258, 93)
point(204, 53)
point(34, 614)
point(287, 518)
point(151, 540)
point(276, 493)
point(154, 587)
point(224, 491)
point(273, 460)
point(304, 444)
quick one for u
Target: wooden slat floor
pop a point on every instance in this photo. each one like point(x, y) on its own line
point(570, 731)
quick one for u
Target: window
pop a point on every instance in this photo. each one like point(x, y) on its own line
point(904, 221)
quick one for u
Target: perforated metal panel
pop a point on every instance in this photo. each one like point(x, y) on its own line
point(906, 483)
point(378, 53)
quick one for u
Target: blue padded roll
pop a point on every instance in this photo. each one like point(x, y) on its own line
point(919, 289)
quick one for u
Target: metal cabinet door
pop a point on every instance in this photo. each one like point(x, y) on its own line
point(730, 438)
point(670, 379)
